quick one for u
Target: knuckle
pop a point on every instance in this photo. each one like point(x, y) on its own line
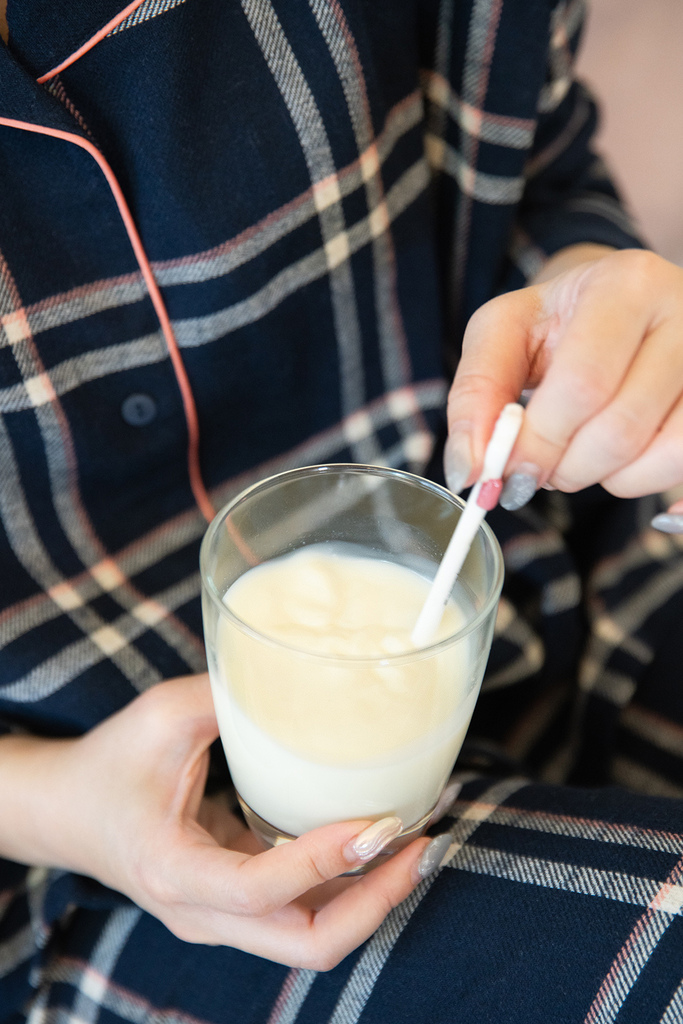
point(621, 434)
point(245, 901)
point(588, 387)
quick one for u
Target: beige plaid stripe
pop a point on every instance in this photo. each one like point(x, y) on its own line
point(317, 152)
point(194, 331)
point(361, 981)
point(98, 296)
point(665, 903)
point(113, 640)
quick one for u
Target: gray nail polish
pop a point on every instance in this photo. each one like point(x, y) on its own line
point(457, 464)
point(668, 522)
point(519, 489)
point(434, 854)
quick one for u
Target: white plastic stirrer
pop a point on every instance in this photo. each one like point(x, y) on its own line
point(483, 497)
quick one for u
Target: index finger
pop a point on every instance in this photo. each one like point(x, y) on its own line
point(255, 886)
point(495, 366)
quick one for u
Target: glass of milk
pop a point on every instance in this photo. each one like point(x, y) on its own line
point(312, 581)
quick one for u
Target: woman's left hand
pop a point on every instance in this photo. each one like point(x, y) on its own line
point(600, 345)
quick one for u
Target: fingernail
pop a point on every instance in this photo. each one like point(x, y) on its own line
point(372, 840)
point(433, 856)
point(548, 487)
point(668, 522)
point(457, 462)
point(520, 487)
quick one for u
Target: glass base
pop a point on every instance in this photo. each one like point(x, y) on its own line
point(270, 836)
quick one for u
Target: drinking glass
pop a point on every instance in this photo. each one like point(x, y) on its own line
point(351, 764)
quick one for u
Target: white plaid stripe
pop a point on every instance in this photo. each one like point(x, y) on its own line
point(194, 331)
point(95, 977)
point(29, 550)
point(70, 596)
point(482, 30)
point(674, 1011)
point(654, 728)
point(494, 189)
point(317, 152)
point(216, 262)
point(576, 878)
point(103, 640)
point(632, 775)
point(582, 828)
point(619, 626)
point(292, 996)
point(148, 9)
point(637, 950)
point(514, 133)
point(396, 367)
point(361, 981)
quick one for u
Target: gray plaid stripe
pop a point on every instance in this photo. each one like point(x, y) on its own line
point(483, 26)
point(360, 984)
point(81, 304)
point(104, 640)
point(674, 1011)
point(95, 978)
point(16, 950)
point(71, 514)
point(637, 950)
point(604, 207)
point(92, 365)
point(30, 552)
point(511, 133)
point(582, 828)
point(391, 333)
point(626, 971)
point(611, 885)
point(494, 189)
point(171, 537)
point(619, 627)
point(148, 9)
point(195, 331)
point(576, 122)
point(638, 777)
point(317, 152)
point(292, 996)
point(108, 294)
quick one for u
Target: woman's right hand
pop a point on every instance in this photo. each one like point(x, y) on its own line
point(124, 804)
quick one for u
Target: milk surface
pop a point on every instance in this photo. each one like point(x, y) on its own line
point(329, 713)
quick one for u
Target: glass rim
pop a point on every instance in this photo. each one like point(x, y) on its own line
point(209, 587)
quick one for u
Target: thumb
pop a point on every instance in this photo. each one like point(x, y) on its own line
point(495, 366)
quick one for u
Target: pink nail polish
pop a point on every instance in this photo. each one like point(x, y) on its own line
point(372, 840)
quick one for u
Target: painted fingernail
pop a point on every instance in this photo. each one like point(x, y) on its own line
point(668, 522)
point(433, 856)
point(457, 462)
point(372, 840)
point(520, 487)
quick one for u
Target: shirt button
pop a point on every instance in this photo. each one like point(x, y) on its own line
point(138, 410)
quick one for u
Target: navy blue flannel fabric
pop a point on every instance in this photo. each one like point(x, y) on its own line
point(325, 192)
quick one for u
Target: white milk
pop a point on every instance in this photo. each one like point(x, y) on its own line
point(337, 716)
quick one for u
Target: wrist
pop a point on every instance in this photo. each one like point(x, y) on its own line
point(34, 800)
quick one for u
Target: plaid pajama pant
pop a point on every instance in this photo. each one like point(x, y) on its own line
point(237, 237)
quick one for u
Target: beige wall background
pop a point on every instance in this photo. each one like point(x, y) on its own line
point(632, 57)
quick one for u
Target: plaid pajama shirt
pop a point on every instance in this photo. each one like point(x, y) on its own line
point(322, 193)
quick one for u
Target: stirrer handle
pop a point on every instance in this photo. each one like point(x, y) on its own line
point(497, 453)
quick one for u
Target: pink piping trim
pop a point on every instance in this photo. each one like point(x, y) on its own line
point(196, 483)
point(116, 20)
